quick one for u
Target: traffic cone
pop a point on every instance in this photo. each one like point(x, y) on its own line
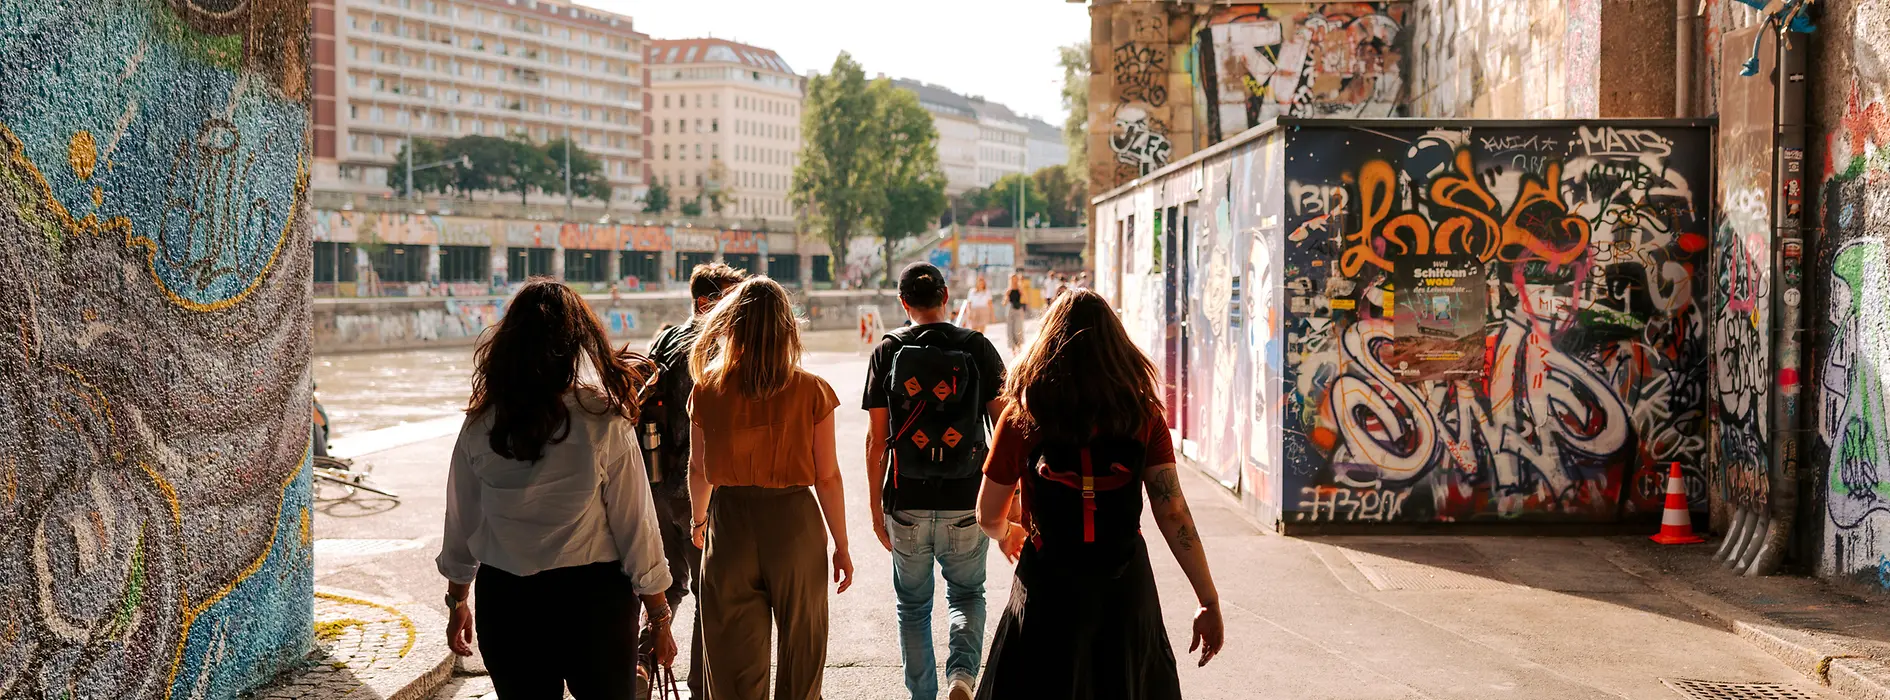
point(1676, 524)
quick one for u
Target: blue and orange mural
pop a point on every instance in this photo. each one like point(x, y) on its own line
point(154, 402)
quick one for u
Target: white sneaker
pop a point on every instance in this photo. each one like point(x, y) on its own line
point(962, 687)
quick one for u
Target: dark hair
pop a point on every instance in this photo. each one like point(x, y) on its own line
point(526, 364)
point(1082, 377)
point(922, 286)
point(709, 279)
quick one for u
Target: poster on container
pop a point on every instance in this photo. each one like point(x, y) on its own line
point(1437, 313)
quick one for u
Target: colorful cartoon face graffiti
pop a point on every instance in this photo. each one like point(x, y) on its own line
point(154, 406)
point(1585, 244)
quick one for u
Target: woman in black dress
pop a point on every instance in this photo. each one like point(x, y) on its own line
point(1084, 435)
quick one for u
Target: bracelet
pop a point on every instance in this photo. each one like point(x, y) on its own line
point(653, 621)
point(695, 525)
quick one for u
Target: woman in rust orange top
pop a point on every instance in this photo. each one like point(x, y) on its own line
point(761, 435)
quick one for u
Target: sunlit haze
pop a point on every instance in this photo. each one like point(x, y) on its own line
point(1004, 50)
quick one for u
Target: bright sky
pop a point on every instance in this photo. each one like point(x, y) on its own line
point(1005, 50)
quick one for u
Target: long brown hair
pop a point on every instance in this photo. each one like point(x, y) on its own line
point(1082, 377)
point(749, 342)
point(527, 363)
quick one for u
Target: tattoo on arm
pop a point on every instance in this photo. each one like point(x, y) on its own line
point(1185, 537)
point(1165, 487)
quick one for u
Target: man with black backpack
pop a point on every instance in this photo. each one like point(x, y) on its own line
point(665, 434)
point(932, 390)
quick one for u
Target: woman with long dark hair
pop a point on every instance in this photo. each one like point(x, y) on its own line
point(763, 476)
point(1083, 432)
point(548, 510)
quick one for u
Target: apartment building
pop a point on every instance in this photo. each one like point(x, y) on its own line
point(1045, 147)
point(387, 70)
point(980, 141)
point(726, 121)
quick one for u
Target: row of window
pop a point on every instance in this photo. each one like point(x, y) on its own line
point(664, 75)
point(423, 120)
point(525, 25)
point(786, 108)
point(527, 79)
point(996, 136)
point(682, 151)
point(1000, 155)
point(765, 130)
point(335, 262)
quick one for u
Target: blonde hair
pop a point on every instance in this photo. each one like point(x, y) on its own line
point(750, 342)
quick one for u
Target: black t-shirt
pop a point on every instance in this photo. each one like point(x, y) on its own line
point(934, 494)
point(1016, 298)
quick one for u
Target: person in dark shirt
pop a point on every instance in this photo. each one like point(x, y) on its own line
point(923, 520)
point(1014, 313)
point(670, 486)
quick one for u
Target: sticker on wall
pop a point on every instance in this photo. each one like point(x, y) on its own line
point(1438, 316)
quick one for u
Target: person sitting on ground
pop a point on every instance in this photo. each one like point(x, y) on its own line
point(1082, 431)
point(931, 389)
point(548, 511)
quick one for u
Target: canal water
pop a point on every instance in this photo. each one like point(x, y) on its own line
point(375, 390)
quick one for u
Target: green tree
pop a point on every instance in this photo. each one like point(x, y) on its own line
point(425, 152)
point(692, 207)
point(718, 188)
point(908, 168)
point(656, 199)
point(1065, 199)
point(1074, 60)
point(481, 163)
point(588, 179)
point(834, 180)
point(1003, 195)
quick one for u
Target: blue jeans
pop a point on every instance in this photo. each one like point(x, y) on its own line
point(953, 539)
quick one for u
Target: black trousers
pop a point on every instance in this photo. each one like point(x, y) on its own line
point(576, 625)
point(685, 571)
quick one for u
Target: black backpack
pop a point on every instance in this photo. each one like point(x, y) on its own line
point(935, 417)
point(1086, 503)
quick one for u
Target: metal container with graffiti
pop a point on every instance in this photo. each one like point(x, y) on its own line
point(1425, 321)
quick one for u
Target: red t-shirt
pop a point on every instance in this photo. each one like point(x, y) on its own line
point(1010, 452)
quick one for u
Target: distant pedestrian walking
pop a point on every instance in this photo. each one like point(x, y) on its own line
point(1014, 313)
point(548, 511)
point(762, 433)
point(931, 390)
point(1083, 433)
point(666, 411)
point(980, 313)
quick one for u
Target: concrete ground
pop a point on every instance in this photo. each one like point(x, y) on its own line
point(1357, 617)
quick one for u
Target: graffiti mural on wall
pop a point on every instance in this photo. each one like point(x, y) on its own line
point(1140, 142)
point(154, 405)
point(1853, 416)
point(1591, 243)
point(1302, 60)
point(1742, 287)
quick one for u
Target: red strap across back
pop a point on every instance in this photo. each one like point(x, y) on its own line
point(1089, 498)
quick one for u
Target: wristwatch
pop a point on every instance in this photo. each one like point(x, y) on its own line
point(452, 602)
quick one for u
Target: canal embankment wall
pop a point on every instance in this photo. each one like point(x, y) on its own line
point(403, 323)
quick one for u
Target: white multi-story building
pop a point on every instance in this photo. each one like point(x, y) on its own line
point(1046, 146)
point(726, 118)
point(980, 141)
point(388, 70)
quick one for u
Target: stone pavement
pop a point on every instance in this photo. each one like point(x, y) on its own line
point(368, 649)
point(1836, 636)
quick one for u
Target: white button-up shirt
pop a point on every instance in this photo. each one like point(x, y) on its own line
point(586, 500)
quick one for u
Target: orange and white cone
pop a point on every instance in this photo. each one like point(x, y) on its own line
point(1676, 524)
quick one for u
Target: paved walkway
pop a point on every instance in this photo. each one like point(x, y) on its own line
point(367, 648)
point(1339, 617)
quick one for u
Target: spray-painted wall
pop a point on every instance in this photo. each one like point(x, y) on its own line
point(1252, 63)
point(154, 406)
point(1851, 447)
point(1541, 355)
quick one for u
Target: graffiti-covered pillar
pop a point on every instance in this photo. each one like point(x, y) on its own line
point(1849, 450)
point(155, 263)
point(1141, 114)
